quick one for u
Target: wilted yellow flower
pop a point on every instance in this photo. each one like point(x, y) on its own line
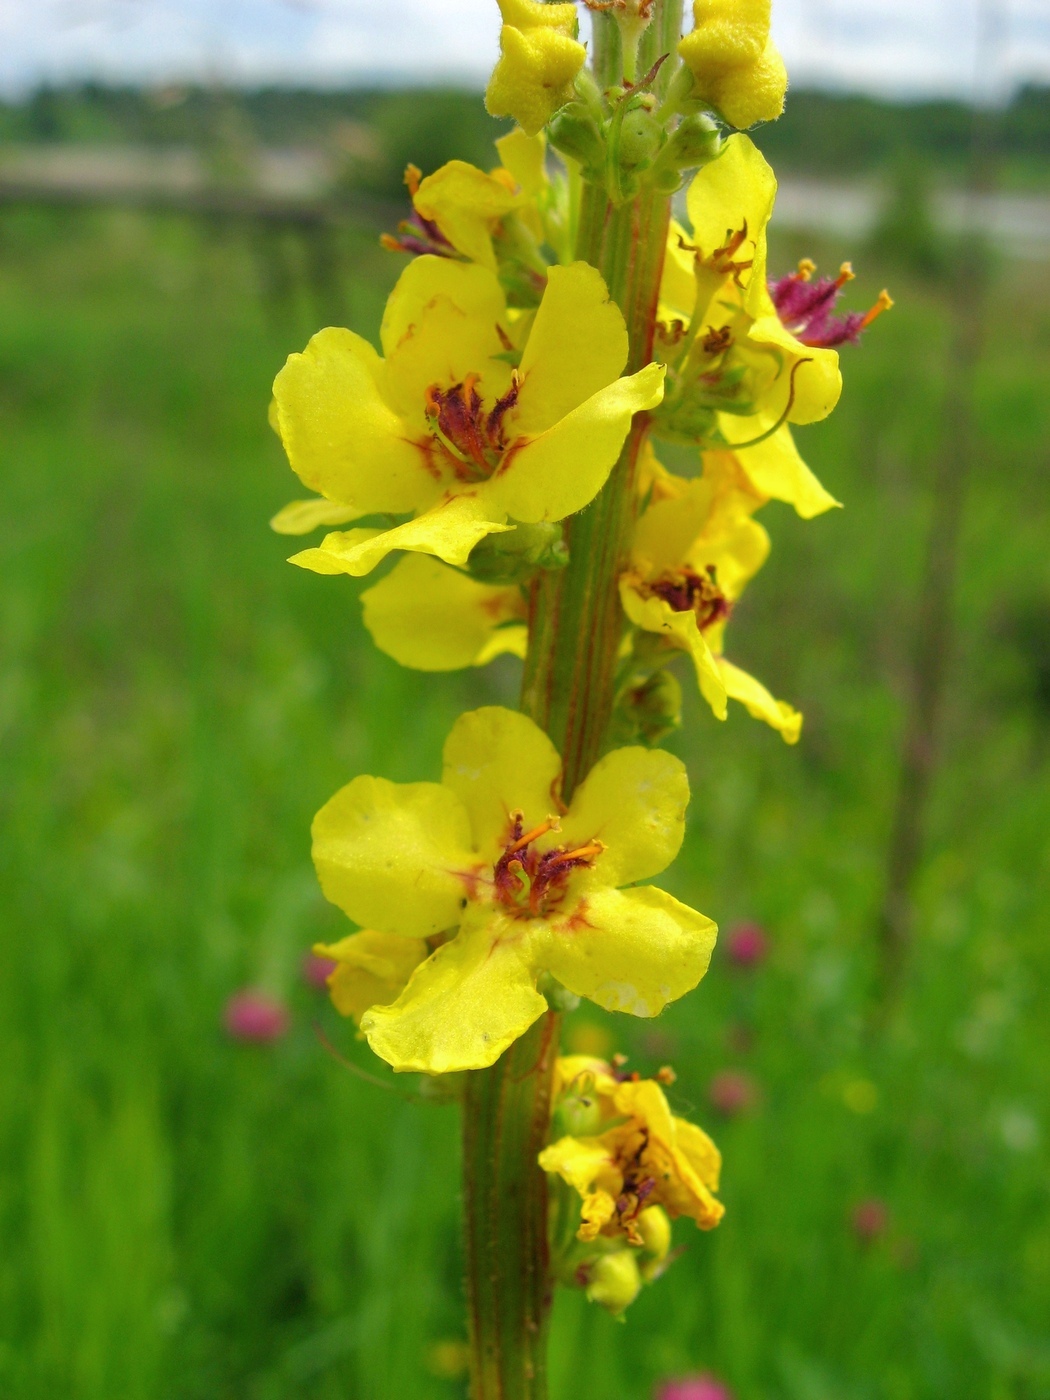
point(637, 1157)
point(735, 368)
point(695, 548)
point(444, 428)
point(482, 863)
point(539, 60)
point(735, 63)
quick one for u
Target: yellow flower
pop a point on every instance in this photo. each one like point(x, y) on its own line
point(459, 208)
point(735, 63)
point(735, 371)
point(695, 548)
point(434, 618)
point(539, 60)
point(444, 428)
point(514, 893)
point(638, 1157)
point(372, 969)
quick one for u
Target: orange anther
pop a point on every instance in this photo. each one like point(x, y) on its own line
point(412, 177)
point(883, 302)
point(551, 824)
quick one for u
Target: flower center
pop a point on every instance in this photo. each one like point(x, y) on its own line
point(531, 883)
point(469, 438)
point(685, 591)
point(806, 307)
point(638, 1183)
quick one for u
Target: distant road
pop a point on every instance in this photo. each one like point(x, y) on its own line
point(296, 183)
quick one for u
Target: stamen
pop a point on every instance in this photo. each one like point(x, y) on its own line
point(883, 302)
point(412, 177)
point(551, 824)
point(806, 269)
point(846, 274)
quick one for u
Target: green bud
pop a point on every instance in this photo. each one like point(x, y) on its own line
point(516, 555)
point(694, 142)
point(647, 712)
point(640, 138)
point(559, 998)
point(574, 131)
point(577, 1113)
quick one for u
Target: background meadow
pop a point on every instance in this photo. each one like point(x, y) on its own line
point(184, 1217)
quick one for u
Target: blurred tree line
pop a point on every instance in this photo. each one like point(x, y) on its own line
point(375, 133)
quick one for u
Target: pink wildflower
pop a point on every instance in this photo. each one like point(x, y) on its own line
point(694, 1388)
point(747, 944)
point(870, 1219)
point(732, 1092)
point(316, 971)
point(256, 1016)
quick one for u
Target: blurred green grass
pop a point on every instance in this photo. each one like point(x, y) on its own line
point(184, 1217)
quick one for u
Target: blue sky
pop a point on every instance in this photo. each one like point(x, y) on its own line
point(889, 46)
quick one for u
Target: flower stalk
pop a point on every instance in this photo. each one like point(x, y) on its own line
point(568, 688)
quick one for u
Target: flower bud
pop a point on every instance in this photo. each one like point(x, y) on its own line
point(516, 555)
point(640, 139)
point(614, 1281)
point(655, 1230)
point(575, 132)
point(577, 1113)
point(648, 712)
point(539, 59)
point(734, 62)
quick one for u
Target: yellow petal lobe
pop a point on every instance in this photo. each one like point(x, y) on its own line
point(372, 969)
point(759, 703)
point(387, 854)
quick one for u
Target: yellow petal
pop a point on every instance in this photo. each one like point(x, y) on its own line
point(560, 471)
point(726, 33)
point(497, 761)
point(536, 14)
point(439, 326)
point(752, 93)
point(630, 950)
point(465, 203)
point(579, 1162)
point(300, 517)
point(534, 74)
point(433, 618)
point(386, 854)
point(655, 615)
point(699, 1151)
point(775, 465)
point(341, 438)
point(525, 157)
point(815, 386)
point(577, 345)
point(678, 281)
point(633, 800)
point(464, 1006)
point(372, 969)
point(736, 190)
point(505, 641)
point(450, 530)
point(758, 702)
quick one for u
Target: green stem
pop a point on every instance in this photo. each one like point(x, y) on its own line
point(506, 1114)
point(568, 686)
point(575, 621)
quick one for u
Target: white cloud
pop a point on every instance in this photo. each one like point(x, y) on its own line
point(908, 46)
